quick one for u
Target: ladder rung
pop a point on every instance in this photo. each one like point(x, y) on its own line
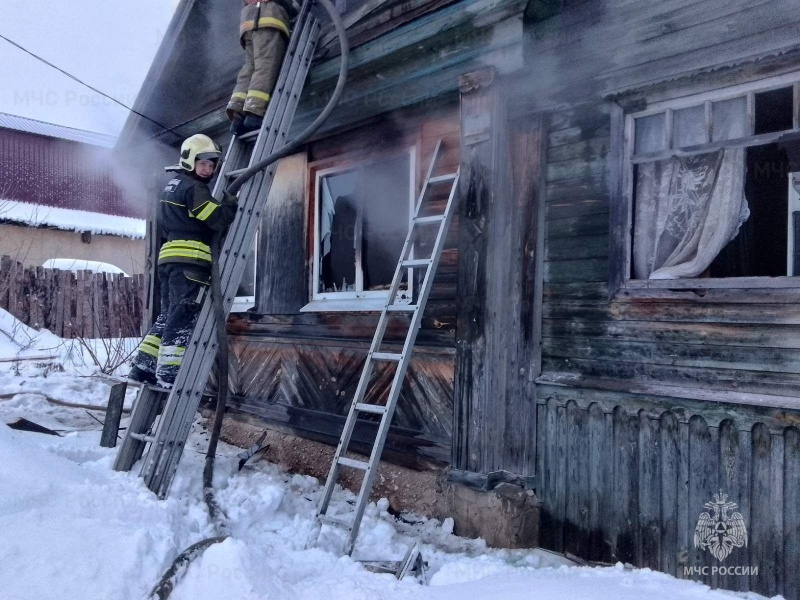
point(158, 389)
point(235, 173)
point(443, 178)
point(143, 437)
point(417, 262)
point(353, 463)
point(401, 308)
point(375, 409)
point(335, 522)
point(250, 135)
point(429, 220)
point(387, 356)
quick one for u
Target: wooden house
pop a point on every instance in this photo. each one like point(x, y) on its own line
point(609, 362)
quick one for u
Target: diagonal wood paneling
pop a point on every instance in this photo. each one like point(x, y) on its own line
point(269, 375)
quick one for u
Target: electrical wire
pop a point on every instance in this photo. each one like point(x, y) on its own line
point(164, 128)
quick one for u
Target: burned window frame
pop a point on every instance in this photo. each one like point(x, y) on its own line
point(623, 113)
point(359, 299)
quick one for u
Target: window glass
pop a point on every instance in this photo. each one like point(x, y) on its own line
point(774, 110)
point(650, 134)
point(689, 127)
point(729, 119)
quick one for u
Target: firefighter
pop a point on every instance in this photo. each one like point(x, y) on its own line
point(263, 33)
point(188, 217)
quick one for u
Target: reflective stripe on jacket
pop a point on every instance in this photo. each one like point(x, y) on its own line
point(264, 15)
point(188, 216)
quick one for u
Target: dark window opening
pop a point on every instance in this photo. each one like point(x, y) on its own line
point(363, 222)
point(774, 110)
point(339, 265)
point(759, 250)
point(385, 201)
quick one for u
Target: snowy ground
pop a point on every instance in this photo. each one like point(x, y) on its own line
point(70, 527)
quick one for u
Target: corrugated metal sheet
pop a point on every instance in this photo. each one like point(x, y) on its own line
point(64, 174)
point(55, 131)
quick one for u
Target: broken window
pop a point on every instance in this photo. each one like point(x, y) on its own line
point(361, 222)
point(709, 179)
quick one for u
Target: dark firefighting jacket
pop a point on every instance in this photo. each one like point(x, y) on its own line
point(272, 13)
point(188, 217)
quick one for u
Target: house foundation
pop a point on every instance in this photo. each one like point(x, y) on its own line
point(505, 517)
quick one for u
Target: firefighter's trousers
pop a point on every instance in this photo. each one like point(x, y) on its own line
point(183, 288)
point(265, 49)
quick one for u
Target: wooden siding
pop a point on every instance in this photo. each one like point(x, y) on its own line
point(625, 478)
point(419, 62)
point(596, 47)
point(743, 341)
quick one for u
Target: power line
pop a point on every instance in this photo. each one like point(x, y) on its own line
point(164, 128)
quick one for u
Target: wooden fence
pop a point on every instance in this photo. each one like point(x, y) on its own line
point(72, 305)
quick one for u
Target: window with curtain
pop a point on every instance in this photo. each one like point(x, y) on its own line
point(709, 181)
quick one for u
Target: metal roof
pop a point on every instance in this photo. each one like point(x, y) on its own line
point(55, 131)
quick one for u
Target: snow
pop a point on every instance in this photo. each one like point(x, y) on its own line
point(69, 219)
point(75, 265)
point(71, 527)
point(81, 357)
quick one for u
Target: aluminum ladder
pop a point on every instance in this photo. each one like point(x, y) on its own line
point(407, 262)
point(166, 445)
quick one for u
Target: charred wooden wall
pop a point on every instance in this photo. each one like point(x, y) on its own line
point(497, 333)
point(652, 401)
point(299, 370)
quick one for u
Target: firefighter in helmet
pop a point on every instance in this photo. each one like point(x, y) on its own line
point(188, 217)
point(264, 34)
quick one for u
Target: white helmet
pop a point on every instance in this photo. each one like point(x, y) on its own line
point(198, 147)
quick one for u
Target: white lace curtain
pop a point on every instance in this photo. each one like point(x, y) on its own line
point(687, 210)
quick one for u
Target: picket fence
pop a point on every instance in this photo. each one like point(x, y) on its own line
point(73, 305)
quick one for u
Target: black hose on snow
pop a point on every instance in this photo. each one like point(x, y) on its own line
point(218, 517)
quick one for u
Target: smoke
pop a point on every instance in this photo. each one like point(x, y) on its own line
point(137, 173)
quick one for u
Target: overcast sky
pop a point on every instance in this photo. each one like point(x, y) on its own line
point(110, 44)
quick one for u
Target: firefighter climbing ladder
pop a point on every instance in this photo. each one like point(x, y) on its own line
point(407, 262)
point(183, 400)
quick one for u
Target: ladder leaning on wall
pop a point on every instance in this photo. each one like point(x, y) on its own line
point(180, 404)
point(408, 263)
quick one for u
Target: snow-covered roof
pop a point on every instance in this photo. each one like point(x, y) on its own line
point(55, 131)
point(71, 220)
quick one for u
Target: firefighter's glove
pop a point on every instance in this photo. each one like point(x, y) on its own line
point(228, 197)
